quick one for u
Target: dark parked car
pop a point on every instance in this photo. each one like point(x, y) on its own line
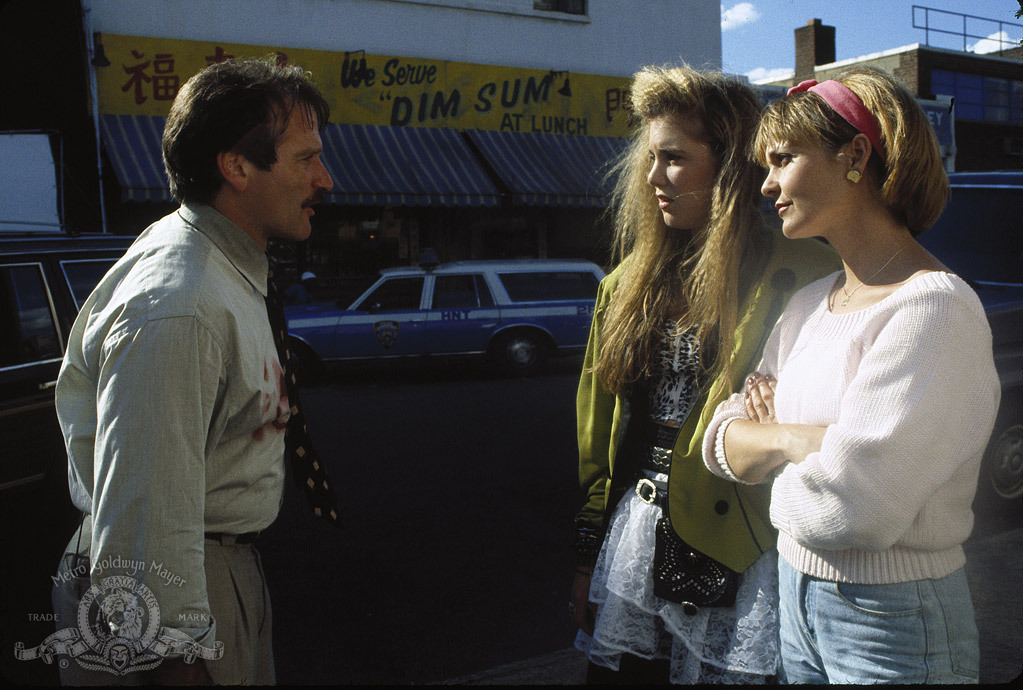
point(980, 237)
point(43, 283)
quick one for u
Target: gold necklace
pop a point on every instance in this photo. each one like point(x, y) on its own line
point(848, 295)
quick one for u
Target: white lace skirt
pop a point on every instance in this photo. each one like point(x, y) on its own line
point(737, 644)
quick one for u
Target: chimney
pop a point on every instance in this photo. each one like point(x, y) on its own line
point(815, 45)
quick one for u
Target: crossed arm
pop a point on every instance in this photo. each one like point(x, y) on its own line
point(756, 447)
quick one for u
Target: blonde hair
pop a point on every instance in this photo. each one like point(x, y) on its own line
point(695, 278)
point(911, 178)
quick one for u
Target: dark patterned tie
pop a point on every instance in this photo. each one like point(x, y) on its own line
point(298, 448)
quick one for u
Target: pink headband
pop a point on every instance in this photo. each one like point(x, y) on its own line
point(847, 104)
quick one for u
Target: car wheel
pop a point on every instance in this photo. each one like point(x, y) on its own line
point(521, 353)
point(1004, 461)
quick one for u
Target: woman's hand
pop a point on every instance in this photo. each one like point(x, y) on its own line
point(756, 447)
point(583, 613)
point(759, 398)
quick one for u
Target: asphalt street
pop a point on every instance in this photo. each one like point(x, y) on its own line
point(458, 490)
point(454, 564)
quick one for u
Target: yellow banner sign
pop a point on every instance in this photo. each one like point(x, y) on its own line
point(145, 74)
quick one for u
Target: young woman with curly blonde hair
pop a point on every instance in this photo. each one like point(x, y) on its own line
point(699, 285)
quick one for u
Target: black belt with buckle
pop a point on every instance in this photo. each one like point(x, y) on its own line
point(228, 539)
point(653, 491)
point(658, 441)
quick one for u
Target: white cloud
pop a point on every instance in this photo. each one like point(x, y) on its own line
point(762, 74)
point(994, 42)
point(743, 13)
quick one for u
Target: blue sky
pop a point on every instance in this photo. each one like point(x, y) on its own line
point(757, 36)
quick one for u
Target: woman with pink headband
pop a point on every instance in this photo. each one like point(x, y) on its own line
point(873, 402)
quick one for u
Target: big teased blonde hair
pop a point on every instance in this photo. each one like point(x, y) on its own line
point(911, 179)
point(696, 278)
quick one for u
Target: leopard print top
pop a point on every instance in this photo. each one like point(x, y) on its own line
point(674, 391)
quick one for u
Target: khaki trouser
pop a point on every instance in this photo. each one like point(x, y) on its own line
point(238, 599)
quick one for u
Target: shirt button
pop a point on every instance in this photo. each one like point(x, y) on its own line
point(721, 507)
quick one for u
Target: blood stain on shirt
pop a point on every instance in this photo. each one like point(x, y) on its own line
point(283, 410)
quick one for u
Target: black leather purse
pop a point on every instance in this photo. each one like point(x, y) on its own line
point(686, 576)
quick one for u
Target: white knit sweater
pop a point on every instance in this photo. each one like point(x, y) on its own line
point(908, 392)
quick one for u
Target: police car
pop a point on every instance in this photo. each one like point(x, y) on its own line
point(516, 312)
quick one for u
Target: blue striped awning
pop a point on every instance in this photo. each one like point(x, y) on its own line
point(133, 145)
point(399, 166)
point(404, 166)
point(551, 169)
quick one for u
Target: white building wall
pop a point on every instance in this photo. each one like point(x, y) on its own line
point(615, 38)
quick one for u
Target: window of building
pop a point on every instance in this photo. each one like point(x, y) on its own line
point(980, 98)
point(560, 10)
point(566, 6)
point(997, 99)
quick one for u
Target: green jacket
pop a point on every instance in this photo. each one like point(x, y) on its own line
point(727, 521)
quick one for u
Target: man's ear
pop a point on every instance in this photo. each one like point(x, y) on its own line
point(233, 169)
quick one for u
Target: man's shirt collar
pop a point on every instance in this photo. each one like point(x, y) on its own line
point(240, 249)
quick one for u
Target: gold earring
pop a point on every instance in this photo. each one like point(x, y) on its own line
point(853, 175)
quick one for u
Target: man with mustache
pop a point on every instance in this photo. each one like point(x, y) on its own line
point(172, 395)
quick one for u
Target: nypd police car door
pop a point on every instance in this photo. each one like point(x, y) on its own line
point(387, 323)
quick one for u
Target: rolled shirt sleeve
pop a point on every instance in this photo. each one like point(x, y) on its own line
point(157, 389)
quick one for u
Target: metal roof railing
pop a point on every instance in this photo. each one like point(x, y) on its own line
point(1001, 36)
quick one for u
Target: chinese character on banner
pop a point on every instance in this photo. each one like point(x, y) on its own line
point(218, 56)
point(137, 75)
point(619, 99)
point(165, 82)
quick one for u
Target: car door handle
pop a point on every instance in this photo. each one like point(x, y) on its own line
point(47, 386)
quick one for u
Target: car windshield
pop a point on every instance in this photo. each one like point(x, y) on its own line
point(980, 234)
